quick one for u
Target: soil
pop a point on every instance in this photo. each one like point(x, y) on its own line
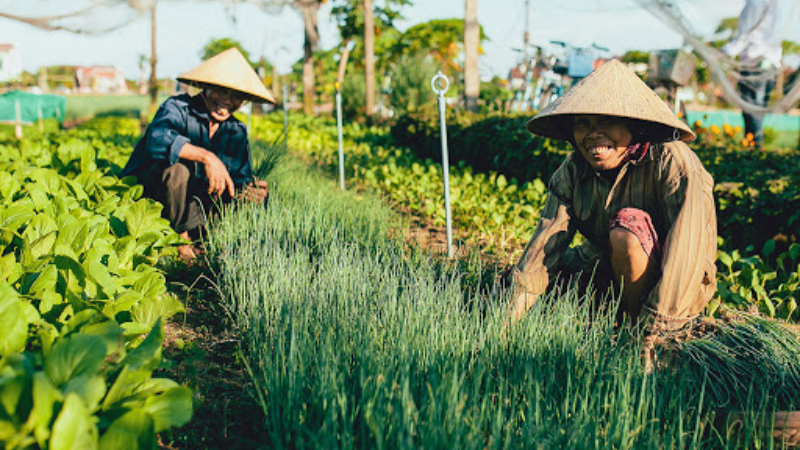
point(201, 351)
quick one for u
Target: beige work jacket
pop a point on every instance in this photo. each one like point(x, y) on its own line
point(671, 184)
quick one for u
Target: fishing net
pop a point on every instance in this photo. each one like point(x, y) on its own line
point(77, 16)
point(726, 70)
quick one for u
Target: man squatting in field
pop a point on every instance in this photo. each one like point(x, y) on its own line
point(195, 149)
point(640, 197)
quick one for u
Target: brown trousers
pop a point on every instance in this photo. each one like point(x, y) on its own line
point(185, 197)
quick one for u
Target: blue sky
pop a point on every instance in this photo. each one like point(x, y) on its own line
point(184, 27)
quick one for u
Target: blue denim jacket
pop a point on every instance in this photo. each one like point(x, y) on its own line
point(181, 119)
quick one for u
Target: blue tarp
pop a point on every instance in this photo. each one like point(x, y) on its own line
point(31, 106)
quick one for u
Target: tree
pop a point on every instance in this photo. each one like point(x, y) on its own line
point(217, 46)
point(364, 24)
point(441, 38)
point(153, 59)
point(309, 11)
point(472, 80)
point(369, 58)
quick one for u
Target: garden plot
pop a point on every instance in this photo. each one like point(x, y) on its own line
point(354, 341)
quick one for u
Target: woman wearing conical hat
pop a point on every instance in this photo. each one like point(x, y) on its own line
point(195, 152)
point(639, 196)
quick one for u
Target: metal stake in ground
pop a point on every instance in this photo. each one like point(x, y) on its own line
point(339, 131)
point(440, 84)
point(285, 101)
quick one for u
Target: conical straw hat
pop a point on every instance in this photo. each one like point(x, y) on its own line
point(229, 69)
point(611, 90)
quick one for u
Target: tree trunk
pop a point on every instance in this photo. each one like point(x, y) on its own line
point(308, 79)
point(153, 60)
point(369, 56)
point(308, 9)
point(472, 81)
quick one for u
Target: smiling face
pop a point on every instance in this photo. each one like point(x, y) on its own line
point(602, 140)
point(222, 102)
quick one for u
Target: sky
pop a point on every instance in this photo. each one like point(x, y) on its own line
point(184, 27)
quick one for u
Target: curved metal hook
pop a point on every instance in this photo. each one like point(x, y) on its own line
point(440, 83)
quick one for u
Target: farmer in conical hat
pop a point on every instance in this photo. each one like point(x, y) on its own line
point(195, 153)
point(636, 192)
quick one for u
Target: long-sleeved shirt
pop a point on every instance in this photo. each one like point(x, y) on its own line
point(183, 119)
point(670, 183)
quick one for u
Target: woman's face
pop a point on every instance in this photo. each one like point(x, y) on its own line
point(222, 102)
point(602, 140)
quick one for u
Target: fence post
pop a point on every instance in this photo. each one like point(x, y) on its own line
point(440, 84)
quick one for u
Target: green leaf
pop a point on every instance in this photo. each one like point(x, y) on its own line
point(74, 429)
point(48, 300)
point(45, 281)
point(16, 215)
point(99, 274)
point(148, 353)
point(794, 251)
point(12, 387)
point(725, 259)
point(149, 310)
point(172, 408)
point(123, 302)
point(7, 264)
point(73, 272)
point(78, 321)
point(12, 321)
point(91, 388)
point(769, 248)
point(73, 357)
point(151, 285)
point(134, 430)
point(134, 329)
point(109, 331)
point(45, 396)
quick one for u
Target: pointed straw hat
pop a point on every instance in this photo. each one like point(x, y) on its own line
point(611, 90)
point(231, 70)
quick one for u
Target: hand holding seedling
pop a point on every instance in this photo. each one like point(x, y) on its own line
point(255, 192)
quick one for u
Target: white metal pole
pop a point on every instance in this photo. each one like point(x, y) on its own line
point(18, 121)
point(339, 132)
point(440, 90)
point(285, 113)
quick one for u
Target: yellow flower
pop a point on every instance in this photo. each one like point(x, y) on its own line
point(728, 129)
point(737, 129)
point(745, 142)
point(698, 123)
point(714, 129)
point(749, 137)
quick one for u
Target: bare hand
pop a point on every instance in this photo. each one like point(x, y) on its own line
point(255, 192)
point(218, 177)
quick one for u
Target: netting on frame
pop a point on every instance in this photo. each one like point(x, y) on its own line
point(777, 15)
point(77, 16)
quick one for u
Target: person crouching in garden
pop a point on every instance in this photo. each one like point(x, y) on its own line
point(637, 193)
point(195, 154)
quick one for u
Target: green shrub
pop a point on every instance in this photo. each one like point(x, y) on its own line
point(354, 89)
point(411, 83)
point(494, 143)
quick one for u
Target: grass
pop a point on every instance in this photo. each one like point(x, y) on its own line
point(355, 341)
point(87, 106)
